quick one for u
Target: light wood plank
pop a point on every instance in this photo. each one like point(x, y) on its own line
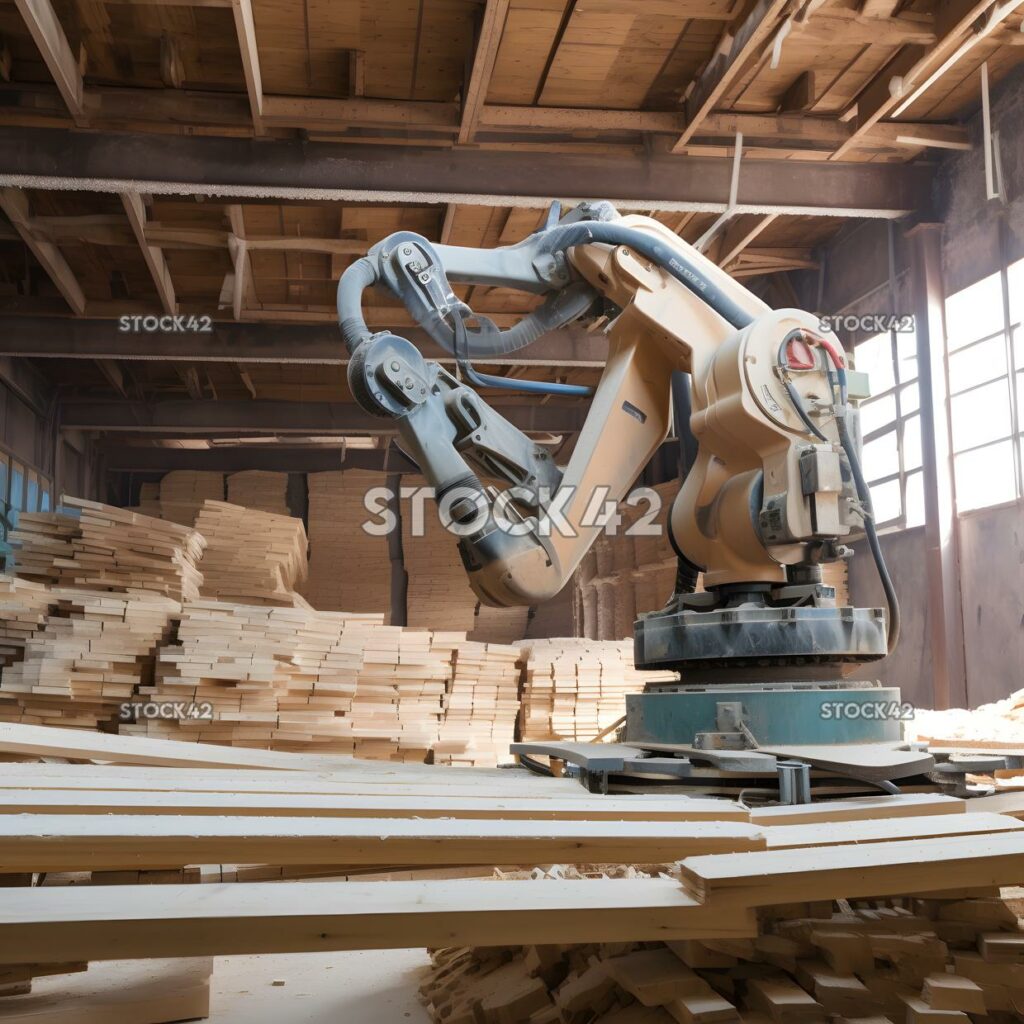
point(153, 255)
point(491, 30)
point(55, 50)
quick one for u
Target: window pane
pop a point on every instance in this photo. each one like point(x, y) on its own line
point(974, 313)
point(912, 443)
point(906, 356)
point(885, 499)
point(877, 413)
point(979, 363)
point(881, 457)
point(985, 477)
point(915, 499)
point(873, 356)
point(981, 415)
point(1015, 279)
point(32, 493)
point(1018, 348)
point(44, 500)
point(17, 484)
point(910, 399)
point(4, 475)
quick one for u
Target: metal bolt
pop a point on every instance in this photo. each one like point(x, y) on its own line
point(395, 365)
point(409, 383)
point(406, 250)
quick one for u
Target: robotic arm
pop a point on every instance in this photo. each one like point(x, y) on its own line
point(775, 488)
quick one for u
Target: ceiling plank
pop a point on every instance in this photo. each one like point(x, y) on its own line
point(55, 50)
point(740, 234)
point(491, 29)
point(14, 202)
point(710, 88)
point(246, 29)
point(153, 255)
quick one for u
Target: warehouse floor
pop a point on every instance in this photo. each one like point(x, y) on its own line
point(371, 987)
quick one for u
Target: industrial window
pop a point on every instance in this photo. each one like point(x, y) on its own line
point(985, 359)
point(890, 424)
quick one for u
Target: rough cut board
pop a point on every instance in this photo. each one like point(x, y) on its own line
point(874, 869)
point(39, 842)
point(98, 801)
point(781, 837)
point(118, 992)
point(42, 925)
point(904, 805)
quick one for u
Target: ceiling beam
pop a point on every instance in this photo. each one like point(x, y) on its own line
point(292, 169)
point(725, 67)
point(245, 29)
point(51, 338)
point(219, 418)
point(56, 52)
point(135, 208)
point(14, 203)
point(740, 234)
point(475, 91)
point(273, 458)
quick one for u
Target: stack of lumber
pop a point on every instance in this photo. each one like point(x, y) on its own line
point(349, 569)
point(24, 605)
point(256, 676)
point(108, 548)
point(405, 674)
point(41, 543)
point(91, 653)
point(1000, 724)
point(255, 488)
point(499, 625)
point(574, 689)
point(251, 557)
point(480, 707)
point(438, 595)
point(632, 569)
point(183, 491)
point(928, 961)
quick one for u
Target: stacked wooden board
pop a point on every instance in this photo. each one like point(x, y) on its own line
point(438, 595)
point(480, 706)
point(108, 548)
point(24, 605)
point(251, 557)
point(499, 625)
point(94, 649)
point(257, 489)
point(575, 689)
point(182, 493)
point(349, 568)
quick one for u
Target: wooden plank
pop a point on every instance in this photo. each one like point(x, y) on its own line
point(153, 255)
point(491, 29)
point(246, 31)
point(49, 37)
point(14, 203)
point(783, 837)
point(386, 805)
point(749, 39)
point(102, 923)
point(91, 842)
point(859, 809)
point(948, 864)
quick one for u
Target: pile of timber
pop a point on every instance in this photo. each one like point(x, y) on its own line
point(923, 961)
point(108, 548)
point(251, 557)
point(403, 678)
point(183, 491)
point(260, 490)
point(438, 596)
point(480, 706)
point(24, 605)
point(349, 569)
point(257, 676)
point(574, 689)
point(499, 625)
point(992, 726)
point(88, 657)
point(632, 569)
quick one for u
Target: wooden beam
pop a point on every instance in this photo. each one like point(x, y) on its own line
point(111, 842)
point(475, 92)
point(153, 255)
point(44, 925)
point(246, 30)
point(237, 245)
point(915, 66)
point(447, 224)
point(55, 50)
point(740, 234)
point(716, 79)
point(15, 205)
point(172, 68)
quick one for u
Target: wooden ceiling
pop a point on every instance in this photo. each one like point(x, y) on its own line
point(826, 81)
